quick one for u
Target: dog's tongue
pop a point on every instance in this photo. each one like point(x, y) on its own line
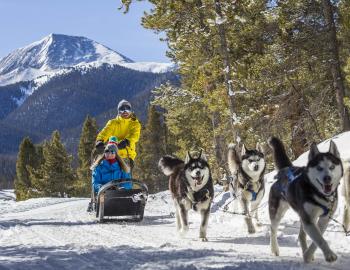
point(327, 188)
point(198, 180)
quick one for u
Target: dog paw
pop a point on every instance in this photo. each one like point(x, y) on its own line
point(203, 239)
point(308, 257)
point(331, 257)
point(259, 223)
point(275, 252)
point(183, 232)
point(251, 230)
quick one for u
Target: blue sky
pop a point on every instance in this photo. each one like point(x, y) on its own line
point(25, 21)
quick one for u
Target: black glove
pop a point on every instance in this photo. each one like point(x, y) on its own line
point(99, 145)
point(123, 143)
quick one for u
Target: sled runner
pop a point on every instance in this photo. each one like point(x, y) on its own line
point(114, 201)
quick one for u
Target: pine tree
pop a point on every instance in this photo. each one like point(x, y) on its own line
point(55, 177)
point(152, 147)
point(28, 156)
point(86, 145)
point(274, 67)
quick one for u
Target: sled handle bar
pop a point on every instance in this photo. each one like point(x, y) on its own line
point(122, 181)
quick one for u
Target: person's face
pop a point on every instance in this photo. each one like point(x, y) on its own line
point(110, 154)
point(125, 111)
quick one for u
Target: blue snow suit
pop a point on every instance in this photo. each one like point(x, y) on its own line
point(106, 172)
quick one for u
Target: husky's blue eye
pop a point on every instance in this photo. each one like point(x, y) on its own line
point(319, 168)
point(332, 167)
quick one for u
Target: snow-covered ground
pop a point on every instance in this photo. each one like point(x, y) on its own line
point(51, 233)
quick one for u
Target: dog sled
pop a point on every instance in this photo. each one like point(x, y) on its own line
point(114, 202)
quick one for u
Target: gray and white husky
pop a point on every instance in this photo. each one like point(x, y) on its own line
point(191, 186)
point(311, 191)
point(247, 170)
point(345, 191)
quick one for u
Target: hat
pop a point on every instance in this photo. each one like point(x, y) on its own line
point(124, 103)
point(112, 144)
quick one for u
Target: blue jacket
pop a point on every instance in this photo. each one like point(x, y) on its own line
point(106, 172)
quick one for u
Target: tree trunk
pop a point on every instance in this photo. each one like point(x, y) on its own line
point(226, 60)
point(219, 147)
point(338, 79)
point(218, 139)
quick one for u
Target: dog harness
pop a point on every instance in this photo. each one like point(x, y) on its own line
point(254, 194)
point(291, 175)
point(197, 197)
point(247, 187)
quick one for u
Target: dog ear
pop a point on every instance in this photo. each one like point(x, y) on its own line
point(333, 149)
point(202, 155)
point(244, 150)
point(313, 151)
point(188, 157)
point(260, 148)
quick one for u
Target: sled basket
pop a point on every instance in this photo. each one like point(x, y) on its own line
point(115, 201)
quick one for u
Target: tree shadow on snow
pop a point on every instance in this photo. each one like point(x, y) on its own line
point(7, 224)
point(127, 257)
point(147, 221)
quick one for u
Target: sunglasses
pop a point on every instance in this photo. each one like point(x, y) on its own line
point(110, 152)
point(125, 108)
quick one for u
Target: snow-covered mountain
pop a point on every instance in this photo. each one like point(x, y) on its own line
point(58, 53)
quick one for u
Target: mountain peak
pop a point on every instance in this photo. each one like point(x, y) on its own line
point(57, 52)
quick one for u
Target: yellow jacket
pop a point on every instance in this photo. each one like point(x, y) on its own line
point(123, 129)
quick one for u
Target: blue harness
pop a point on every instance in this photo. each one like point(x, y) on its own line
point(291, 177)
point(254, 194)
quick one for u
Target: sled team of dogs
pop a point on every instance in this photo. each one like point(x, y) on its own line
point(311, 191)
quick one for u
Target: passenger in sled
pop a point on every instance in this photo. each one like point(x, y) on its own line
point(110, 167)
point(106, 168)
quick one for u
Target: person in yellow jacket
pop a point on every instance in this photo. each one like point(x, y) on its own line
point(126, 127)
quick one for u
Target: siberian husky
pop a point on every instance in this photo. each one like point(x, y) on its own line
point(191, 186)
point(311, 191)
point(247, 170)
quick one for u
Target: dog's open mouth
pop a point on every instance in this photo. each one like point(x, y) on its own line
point(198, 180)
point(327, 188)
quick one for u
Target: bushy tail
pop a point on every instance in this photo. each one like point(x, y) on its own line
point(233, 158)
point(280, 157)
point(169, 164)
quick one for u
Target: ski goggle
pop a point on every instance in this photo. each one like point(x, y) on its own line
point(110, 151)
point(124, 108)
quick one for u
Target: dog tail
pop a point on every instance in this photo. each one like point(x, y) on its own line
point(169, 164)
point(280, 157)
point(233, 157)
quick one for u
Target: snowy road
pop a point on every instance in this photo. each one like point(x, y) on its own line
point(58, 234)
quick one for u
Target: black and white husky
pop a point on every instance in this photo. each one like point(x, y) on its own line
point(191, 186)
point(311, 191)
point(247, 170)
